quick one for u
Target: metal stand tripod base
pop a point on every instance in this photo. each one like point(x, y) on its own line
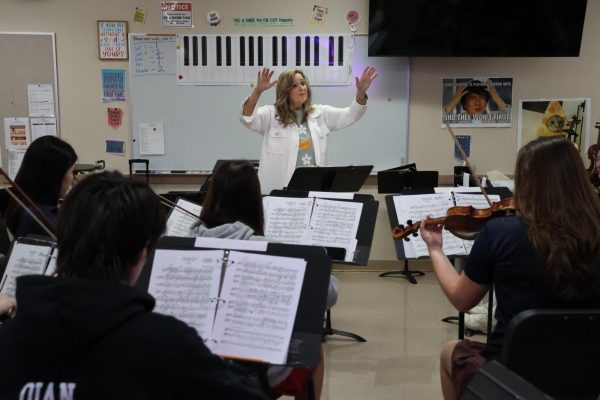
point(406, 273)
point(328, 330)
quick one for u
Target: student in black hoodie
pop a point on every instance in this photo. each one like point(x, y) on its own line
point(88, 334)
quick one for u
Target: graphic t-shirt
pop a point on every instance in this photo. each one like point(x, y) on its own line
point(306, 151)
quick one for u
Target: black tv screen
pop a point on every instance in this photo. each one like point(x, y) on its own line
point(476, 28)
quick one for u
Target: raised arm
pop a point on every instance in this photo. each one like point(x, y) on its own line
point(263, 83)
point(362, 84)
point(495, 95)
point(460, 92)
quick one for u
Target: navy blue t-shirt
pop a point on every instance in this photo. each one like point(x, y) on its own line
point(503, 255)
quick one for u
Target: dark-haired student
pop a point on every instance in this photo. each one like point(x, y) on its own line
point(547, 255)
point(88, 333)
point(45, 175)
point(233, 209)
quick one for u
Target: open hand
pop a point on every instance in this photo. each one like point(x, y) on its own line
point(362, 84)
point(264, 80)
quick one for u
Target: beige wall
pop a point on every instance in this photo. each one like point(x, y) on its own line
point(83, 117)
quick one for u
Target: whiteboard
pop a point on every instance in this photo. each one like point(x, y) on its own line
point(201, 123)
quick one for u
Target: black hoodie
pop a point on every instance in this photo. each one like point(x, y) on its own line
point(86, 339)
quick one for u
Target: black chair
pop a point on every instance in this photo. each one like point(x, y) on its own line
point(558, 351)
point(495, 381)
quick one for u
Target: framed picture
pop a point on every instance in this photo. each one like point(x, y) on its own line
point(112, 40)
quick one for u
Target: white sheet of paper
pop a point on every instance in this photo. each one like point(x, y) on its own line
point(152, 138)
point(185, 284)
point(232, 244)
point(261, 295)
point(24, 259)
point(449, 189)
point(332, 195)
point(42, 127)
point(179, 222)
point(475, 200)
point(16, 133)
point(416, 208)
point(41, 100)
point(335, 224)
point(287, 218)
point(15, 158)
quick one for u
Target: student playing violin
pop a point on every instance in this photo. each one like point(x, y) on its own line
point(547, 255)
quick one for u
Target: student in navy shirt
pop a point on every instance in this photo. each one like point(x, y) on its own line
point(547, 255)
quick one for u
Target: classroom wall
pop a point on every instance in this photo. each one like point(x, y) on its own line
point(83, 117)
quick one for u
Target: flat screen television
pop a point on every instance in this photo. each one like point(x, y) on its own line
point(476, 28)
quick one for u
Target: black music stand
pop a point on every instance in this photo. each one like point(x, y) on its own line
point(364, 238)
point(330, 179)
point(398, 179)
point(305, 344)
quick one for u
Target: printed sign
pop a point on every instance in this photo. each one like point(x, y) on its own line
point(174, 13)
point(112, 40)
point(263, 21)
point(319, 14)
point(115, 117)
point(113, 85)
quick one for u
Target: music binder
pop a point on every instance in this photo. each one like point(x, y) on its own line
point(27, 256)
point(330, 179)
point(351, 226)
point(304, 345)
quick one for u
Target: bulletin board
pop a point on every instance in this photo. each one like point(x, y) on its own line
point(27, 58)
point(201, 123)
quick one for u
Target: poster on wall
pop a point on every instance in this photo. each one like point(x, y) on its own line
point(176, 14)
point(16, 133)
point(566, 117)
point(112, 40)
point(113, 85)
point(477, 102)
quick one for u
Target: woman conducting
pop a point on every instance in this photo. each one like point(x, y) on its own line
point(294, 131)
point(544, 256)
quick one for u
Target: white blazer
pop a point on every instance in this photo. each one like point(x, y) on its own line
point(280, 144)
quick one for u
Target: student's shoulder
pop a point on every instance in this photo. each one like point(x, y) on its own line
point(507, 225)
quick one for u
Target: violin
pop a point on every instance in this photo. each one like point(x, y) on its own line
point(464, 222)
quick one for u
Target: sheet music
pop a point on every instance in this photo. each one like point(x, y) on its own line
point(335, 224)
point(25, 259)
point(261, 295)
point(475, 200)
point(185, 285)
point(179, 222)
point(416, 208)
point(287, 218)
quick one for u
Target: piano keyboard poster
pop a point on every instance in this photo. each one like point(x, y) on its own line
point(236, 59)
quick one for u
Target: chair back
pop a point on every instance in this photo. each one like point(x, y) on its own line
point(558, 351)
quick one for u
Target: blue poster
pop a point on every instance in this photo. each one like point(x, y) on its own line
point(113, 85)
point(465, 143)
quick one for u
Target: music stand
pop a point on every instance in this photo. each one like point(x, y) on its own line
point(330, 179)
point(406, 180)
point(398, 179)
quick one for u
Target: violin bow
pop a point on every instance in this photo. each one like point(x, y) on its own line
point(464, 156)
point(170, 204)
point(28, 205)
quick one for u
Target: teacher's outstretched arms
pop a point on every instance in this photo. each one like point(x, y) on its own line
point(294, 130)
